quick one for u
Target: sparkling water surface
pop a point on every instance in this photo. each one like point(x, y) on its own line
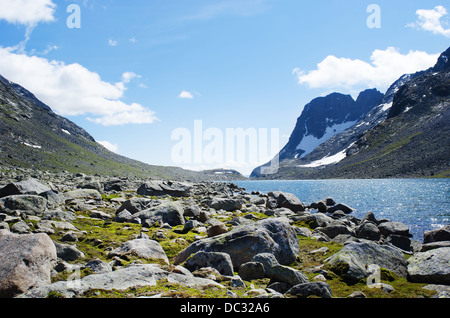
point(422, 204)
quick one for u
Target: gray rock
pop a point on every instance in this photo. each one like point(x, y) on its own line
point(26, 262)
point(54, 199)
point(216, 260)
point(68, 252)
point(226, 204)
point(30, 186)
point(369, 231)
point(217, 229)
point(280, 273)
point(20, 227)
point(352, 260)
point(160, 188)
point(397, 228)
point(252, 270)
point(432, 266)
point(402, 242)
point(318, 289)
point(168, 212)
point(334, 229)
point(273, 235)
point(315, 220)
point(98, 266)
point(143, 248)
point(23, 203)
point(135, 205)
point(340, 207)
point(82, 194)
point(287, 200)
point(438, 235)
point(129, 277)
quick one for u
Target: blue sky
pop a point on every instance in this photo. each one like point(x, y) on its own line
point(135, 71)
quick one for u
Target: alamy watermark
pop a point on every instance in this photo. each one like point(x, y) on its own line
point(374, 19)
point(213, 146)
point(74, 19)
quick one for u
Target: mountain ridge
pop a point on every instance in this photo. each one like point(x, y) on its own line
point(413, 115)
point(33, 136)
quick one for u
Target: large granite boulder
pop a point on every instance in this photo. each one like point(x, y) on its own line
point(160, 188)
point(26, 262)
point(353, 260)
point(274, 235)
point(432, 266)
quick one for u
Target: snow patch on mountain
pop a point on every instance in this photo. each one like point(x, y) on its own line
point(309, 142)
point(328, 160)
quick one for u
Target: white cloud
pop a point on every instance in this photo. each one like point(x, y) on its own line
point(112, 42)
point(73, 90)
point(353, 75)
point(27, 12)
point(430, 20)
point(186, 95)
point(128, 76)
point(110, 146)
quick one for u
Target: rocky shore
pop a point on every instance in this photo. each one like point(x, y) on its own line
point(78, 236)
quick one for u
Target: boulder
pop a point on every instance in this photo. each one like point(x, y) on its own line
point(340, 207)
point(133, 276)
point(288, 200)
point(397, 228)
point(438, 235)
point(279, 273)
point(369, 231)
point(141, 248)
point(168, 212)
point(26, 262)
point(135, 205)
point(305, 290)
point(321, 206)
point(23, 203)
point(219, 261)
point(432, 266)
point(68, 252)
point(98, 266)
point(315, 220)
point(226, 204)
point(352, 261)
point(252, 270)
point(334, 229)
point(160, 188)
point(29, 186)
point(217, 229)
point(82, 194)
point(273, 235)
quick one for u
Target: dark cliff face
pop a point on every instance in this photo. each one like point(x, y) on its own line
point(326, 116)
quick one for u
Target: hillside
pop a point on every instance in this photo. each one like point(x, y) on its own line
point(33, 136)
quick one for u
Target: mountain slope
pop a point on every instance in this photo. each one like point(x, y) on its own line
point(406, 135)
point(33, 136)
point(323, 118)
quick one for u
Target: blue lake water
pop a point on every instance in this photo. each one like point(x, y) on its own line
point(422, 204)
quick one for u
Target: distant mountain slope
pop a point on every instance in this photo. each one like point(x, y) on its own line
point(33, 136)
point(406, 135)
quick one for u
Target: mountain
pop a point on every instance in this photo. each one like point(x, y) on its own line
point(405, 135)
point(33, 136)
point(323, 118)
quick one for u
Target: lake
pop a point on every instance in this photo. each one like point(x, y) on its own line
point(422, 204)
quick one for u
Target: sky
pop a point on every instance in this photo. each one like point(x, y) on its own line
point(206, 84)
